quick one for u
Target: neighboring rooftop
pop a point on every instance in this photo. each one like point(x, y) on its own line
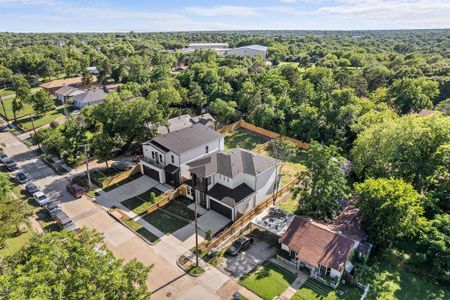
point(62, 82)
point(209, 45)
point(316, 243)
point(232, 163)
point(230, 197)
point(255, 47)
point(184, 121)
point(68, 90)
point(186, 139)
point(90, 96)
point(349, 223)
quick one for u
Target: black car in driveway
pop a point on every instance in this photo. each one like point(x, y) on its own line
point(240, 245)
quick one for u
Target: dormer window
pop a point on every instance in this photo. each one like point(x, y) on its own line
point(172, 159)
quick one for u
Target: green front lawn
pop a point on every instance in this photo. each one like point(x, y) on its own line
point(171, 217)
point(142, 202)
point(268, 281)
point(245, 139)
point(26, 110)
point(313, 289)
point(140, 230)
point(6, 93)
point(14, 244)
point(26, 124)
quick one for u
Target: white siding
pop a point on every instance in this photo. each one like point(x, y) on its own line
point(265, 184)
point(200, 151)
point(285, 247)
point(335, 273)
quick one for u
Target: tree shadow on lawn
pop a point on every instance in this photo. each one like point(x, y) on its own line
point(387, 281)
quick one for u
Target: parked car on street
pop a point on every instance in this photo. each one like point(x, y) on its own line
point(41, 198)
point(31, 188)
point(10, 164)
point(76, 190)
point(21, 177)
point(3, 157)
point(63, 219)
point(240, 245)
point(121, 165)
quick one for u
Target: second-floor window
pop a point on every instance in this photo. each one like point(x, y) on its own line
point(172, 159)
point(160, 158)
point(207, 149)
point(153, 154)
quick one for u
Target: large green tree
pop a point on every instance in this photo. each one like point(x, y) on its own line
point(41, 102)
point(401, 148)
point(391, 209)
point(323, 184)
point(63, 265)
point(413, 94)
point(23, 91)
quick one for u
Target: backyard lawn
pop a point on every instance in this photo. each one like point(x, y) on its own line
point(313, 289)
point(170, 217)
point(245, 139)
point(268, 281)
point(290, 205)
point(142, 202)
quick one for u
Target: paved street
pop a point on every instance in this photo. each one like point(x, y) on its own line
point(166, 279)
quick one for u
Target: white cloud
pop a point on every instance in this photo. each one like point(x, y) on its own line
point(223, 10)
point(400, 13)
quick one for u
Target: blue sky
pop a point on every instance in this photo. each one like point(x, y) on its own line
point(169, 15)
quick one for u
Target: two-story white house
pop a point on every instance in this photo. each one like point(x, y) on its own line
point(166, 156)
point(232, 183)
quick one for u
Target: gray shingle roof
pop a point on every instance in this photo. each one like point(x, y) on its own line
point(186, 139)
point(232, 163)
point(90, 96)
point(230, 197)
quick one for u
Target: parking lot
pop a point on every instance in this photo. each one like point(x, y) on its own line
point(237, 266)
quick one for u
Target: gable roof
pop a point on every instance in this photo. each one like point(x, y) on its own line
point(316, 243)
point(69, 91)
point(187, 138)
point(90, 96)
point(232, 163)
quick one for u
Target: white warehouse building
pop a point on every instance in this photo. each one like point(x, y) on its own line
point(248, 51)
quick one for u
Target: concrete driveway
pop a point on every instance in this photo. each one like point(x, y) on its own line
point(209, 220)
point(126, 191)
point(237, 266)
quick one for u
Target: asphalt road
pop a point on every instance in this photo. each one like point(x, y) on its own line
point(165, 279)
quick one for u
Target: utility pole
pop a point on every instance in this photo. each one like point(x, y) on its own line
point(34, 129)
point(86, 146)
point(194, 184)
point(4, 111)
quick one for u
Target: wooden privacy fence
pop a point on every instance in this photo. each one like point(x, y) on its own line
point(261, 131)
point(122, 176)
point(245, 219)
point(170, 195)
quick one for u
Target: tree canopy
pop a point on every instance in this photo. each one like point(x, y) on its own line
point(63, 265)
